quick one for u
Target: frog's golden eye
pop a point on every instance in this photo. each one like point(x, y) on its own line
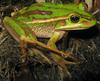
point(75, 18)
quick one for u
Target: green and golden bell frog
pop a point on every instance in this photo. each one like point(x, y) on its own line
point(48, 20)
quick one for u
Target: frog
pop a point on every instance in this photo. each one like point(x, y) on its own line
point(50, 21)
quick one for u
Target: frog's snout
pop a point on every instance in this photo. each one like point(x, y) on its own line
point(89, 23)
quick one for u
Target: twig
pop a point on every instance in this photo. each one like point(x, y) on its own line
point(3, 40)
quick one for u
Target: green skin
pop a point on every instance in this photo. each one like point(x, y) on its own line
point(47, 20)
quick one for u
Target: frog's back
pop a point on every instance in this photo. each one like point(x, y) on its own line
point(48, 10)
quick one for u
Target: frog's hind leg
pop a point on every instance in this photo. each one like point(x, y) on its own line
point(26, 40)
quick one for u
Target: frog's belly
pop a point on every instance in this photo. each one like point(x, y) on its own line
point(44, 31)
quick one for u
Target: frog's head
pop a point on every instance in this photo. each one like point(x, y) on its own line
point(78, 19)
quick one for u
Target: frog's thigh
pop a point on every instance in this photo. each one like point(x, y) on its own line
point(55, 37)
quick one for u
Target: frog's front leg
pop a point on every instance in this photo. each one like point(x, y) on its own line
point(55, 37)
point(60, 61)
point(52, 44)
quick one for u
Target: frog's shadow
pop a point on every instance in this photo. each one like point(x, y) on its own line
point(85, 34)
point(81, 34)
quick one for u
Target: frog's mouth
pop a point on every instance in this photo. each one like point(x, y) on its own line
point(79, 26)
point(71, 28)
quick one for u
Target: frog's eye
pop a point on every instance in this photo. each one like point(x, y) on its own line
point(75, 18)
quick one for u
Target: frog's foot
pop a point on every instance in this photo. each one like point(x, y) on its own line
point(63, 71)
point(43, 58)
point(62, 65)
point(24, 53)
